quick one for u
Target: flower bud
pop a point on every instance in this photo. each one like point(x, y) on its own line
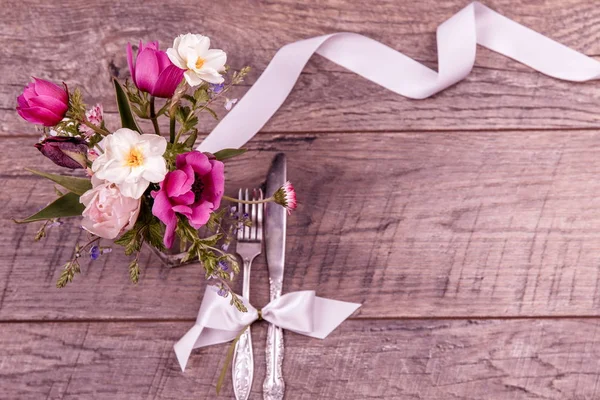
point(66, 151)
point(43, 102)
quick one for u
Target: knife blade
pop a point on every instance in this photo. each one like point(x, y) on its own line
point(275, 233)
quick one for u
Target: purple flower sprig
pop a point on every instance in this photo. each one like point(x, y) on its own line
point(72, 266)
point(96, 251)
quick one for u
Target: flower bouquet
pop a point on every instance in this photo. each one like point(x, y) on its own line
point(140, 188)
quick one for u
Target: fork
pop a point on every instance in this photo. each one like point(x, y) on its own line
point(249, 245)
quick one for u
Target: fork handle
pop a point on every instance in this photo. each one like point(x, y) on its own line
point(273, 385)
point(243, 359)
point(243, 366)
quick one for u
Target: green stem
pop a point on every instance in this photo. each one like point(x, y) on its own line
point(249, 201)
point(78, 249)
point(153, 116)
point(95, 128)
point(179, 133)
point(215, 249)
point(172, 128)
point(204, 107)
point(229, 358)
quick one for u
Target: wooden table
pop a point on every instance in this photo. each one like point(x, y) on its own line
point(467, 225)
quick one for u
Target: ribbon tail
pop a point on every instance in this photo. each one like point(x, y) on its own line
point(200, 336)
point(328, 315)
point(457, 45)
point(183, 348)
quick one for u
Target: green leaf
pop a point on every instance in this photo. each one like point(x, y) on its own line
point(201, 95)
point(131, 240)
point(146, 229)
point(71, 268)
point(211, 240)
point(191, 140)
point(127, 119)
point(173, 150)
point(182, 113)
point(134, 271)
point(63, 207)
point(154, 234)
point(73, 184)
point(212, 112)
point(228, 153)
point(189, 98)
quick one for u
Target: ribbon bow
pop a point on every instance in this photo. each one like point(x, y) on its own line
point(301, 312)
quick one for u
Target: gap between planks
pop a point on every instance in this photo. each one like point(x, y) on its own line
point(388, 131)
point(419, 318)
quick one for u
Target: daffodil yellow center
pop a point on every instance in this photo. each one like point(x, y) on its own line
point(199, 63)
point(135, 158)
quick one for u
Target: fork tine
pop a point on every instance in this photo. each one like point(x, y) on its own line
point(246, 214)
point(253, 214)
point(240, 231)
point(259, 217)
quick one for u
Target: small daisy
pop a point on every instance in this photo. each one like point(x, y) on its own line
point(286, 197)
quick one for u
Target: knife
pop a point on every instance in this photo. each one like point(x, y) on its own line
point(275, 220)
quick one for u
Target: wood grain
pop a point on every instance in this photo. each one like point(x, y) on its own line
point(420, 360)
point(84, 44)
point(466, 224)
point(409, 224)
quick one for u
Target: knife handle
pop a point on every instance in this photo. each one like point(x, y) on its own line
point(273, 386)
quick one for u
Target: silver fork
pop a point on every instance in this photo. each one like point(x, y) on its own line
point(249, 245)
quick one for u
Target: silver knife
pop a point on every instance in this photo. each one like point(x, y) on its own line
point(275, 220)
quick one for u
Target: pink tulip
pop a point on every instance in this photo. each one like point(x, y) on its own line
point(152, 71)
point(43, 102)
point(194, 190)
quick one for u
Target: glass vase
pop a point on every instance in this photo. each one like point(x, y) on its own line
point(172, 258)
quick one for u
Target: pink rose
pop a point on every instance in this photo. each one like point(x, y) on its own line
point(107, 212)
point(43, 102)
point(194, 190)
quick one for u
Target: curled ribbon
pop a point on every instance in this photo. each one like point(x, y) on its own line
point(457, 40)
point(301, 312)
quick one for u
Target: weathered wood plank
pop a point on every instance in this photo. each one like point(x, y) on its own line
point(421, 224)
point(419, 359)
point(84, 43)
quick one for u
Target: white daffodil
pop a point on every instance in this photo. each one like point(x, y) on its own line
point(191, 53)
point(131, 161)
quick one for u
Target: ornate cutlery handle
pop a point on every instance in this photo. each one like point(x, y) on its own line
point(243, 366)
point(243, 359)
point(273, 386)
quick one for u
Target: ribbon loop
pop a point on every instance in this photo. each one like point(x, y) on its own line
point(301, 312)
point(292, 311)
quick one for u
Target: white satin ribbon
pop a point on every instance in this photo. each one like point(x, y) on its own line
point(301, 312)
point(457, 39)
